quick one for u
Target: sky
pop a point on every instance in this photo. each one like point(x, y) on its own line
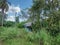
point(21, 3)
point(17, 6)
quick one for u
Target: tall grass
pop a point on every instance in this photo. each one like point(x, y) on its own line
point(15, 36)
point(19, 36)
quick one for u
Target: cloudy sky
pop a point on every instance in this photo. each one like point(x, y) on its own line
point(17, 6)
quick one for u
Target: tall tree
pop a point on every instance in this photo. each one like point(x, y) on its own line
point(35, 12)
point(41, 9)
point(4, 7)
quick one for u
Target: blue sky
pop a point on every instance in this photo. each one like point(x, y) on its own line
point(21, 3)
point(17, 5)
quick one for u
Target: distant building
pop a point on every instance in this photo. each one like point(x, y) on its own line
point(28, 25)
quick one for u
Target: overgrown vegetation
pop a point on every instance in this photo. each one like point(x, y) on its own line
point(45, 25)
point(10, 36)
point(9, 24)
point(20, 25)
point(17, 36)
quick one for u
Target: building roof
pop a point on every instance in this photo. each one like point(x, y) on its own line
point(28, 24)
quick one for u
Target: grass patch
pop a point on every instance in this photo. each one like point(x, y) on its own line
point(16, 36)
point(19, 36)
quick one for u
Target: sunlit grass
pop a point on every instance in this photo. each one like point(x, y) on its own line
point(19, 36)
point(15, 36)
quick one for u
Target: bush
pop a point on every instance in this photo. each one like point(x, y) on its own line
point(21, 25)
point(57, 39)
point(53, 30)
point(45, 37)
point(8, 33)
point(42, 37)
point(9, 23)
point(32, 37)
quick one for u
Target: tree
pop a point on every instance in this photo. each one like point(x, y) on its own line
point(4, 7)
point(5, 17)
point(35, 12)
point(17, 19)
point(41, 9)
point(53, 20)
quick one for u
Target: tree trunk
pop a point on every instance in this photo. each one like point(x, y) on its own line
point(15, 19)
point(2, 21)
point(2, 18)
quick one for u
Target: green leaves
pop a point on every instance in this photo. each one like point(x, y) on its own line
point(46, 8)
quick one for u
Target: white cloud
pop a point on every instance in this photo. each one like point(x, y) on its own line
point(11, 11)
point(14, 9)
point(10, 18)
point(17, 9)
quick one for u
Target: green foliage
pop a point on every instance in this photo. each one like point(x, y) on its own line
point(21, 24)
point(4, 6)
point(45, 37)
point(14, 36)
point(17, 19)
point(10, 33)
point(40, 35)
point(53, 23)
point(40, 10)
point(0, 18)
point(7, 33)
point(18, 36)
point(58, 39)
point(9, 24)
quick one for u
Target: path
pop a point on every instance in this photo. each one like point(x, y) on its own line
point(1, 43)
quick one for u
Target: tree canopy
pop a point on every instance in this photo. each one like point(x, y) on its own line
point(47, 11)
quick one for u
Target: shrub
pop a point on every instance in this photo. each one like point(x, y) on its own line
point(8, 33)
point(9, 23)
point(57, 39)
point(44, 37)
point(20, 25)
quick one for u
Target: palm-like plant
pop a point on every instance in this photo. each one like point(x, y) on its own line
point(4, 7)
